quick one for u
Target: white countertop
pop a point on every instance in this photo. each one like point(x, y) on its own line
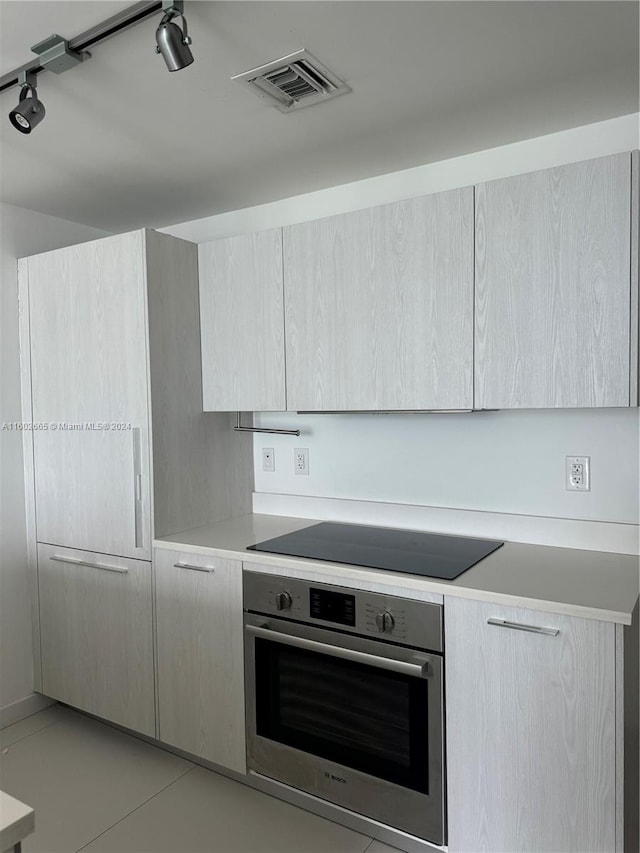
point(591, 584)
point(16, 821)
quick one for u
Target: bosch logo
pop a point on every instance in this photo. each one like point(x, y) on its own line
point(335, 778)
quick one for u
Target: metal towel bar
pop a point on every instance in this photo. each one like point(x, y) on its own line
point(239, 428)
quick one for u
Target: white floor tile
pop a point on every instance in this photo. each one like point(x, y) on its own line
point(204, 812)
point(81, 777)
point(24, 728)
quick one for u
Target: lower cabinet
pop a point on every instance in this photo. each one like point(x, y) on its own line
point(96, 628)
point(200, 656)
point(530, 730)
point(531, 716)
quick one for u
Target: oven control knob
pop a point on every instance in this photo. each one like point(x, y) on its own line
point(283, 601)
point(385, 621)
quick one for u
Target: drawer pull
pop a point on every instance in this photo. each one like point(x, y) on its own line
point(193, 568)
point(103, 566)
point(519, 626)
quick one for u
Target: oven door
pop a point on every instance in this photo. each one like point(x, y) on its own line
point(350, 720)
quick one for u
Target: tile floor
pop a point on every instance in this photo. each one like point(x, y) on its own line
point(98, 790)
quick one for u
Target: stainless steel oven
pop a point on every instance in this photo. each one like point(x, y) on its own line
point(345, 698)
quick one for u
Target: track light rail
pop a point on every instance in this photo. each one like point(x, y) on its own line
point(82, 42)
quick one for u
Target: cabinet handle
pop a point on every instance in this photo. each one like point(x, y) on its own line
point(137, 488)
point(519, 626)
point(193, 568)
point(77, 562)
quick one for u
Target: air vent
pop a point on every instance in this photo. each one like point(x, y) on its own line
point(294, 81)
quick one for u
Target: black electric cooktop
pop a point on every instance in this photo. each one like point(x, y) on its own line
point(411, 551)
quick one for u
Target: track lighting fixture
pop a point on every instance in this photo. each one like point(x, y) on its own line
point(54, 55)
point(57, 54)
point(171, 41)
point(30, 111)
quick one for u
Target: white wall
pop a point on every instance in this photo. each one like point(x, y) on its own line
point(503, 462)
point(22, 232)
point(555, 149)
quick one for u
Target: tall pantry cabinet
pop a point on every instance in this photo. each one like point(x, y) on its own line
point(120, 452)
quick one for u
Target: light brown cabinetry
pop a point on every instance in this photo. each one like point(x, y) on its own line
point(89, 396)
point(531, 730)
point(121, 451)
point(97, 634)
point(554, 288)
point(379, 307)
point(516, 293)
point(242, 323)
point(200, 656)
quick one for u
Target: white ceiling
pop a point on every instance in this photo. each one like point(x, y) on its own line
point(125, 143)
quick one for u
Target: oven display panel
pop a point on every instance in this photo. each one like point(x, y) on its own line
point(332, 606)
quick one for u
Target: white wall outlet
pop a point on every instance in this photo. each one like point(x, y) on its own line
point(268, 459)
point(578, 474)
point(301, 460)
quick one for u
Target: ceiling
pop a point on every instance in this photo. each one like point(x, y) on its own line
point(125, 143)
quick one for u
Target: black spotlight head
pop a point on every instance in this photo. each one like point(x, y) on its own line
point(29, 112)
point(173, 43)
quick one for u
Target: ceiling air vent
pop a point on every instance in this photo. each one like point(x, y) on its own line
point(294, 81)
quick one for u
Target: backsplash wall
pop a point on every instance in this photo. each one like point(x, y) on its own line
point(507, 462)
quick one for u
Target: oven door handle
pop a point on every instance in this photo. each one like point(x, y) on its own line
point(418, 667)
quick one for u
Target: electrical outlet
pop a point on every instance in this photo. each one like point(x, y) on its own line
point(301, 460)
point(268, 459)
point(578, 475)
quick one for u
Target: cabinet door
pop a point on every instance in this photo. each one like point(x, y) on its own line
point(242, 323)
point(200, 656)
point(530, 731)
point(89, 391)
point(379, 307)
point(553, 287)
point(97, 635)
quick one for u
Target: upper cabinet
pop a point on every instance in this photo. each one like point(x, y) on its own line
point(379, 307)
point(380, 311)
point(553, 326)
point(242, 323)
